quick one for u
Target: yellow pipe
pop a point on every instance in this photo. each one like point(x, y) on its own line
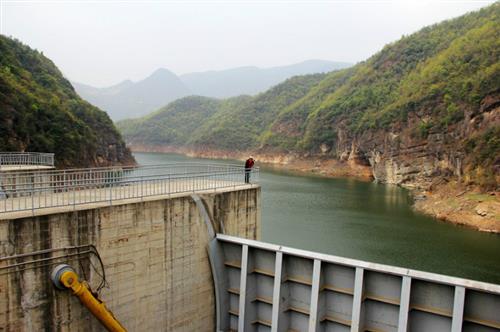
point(70, 280)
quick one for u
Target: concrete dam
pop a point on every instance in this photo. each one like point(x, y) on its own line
point(176, 248)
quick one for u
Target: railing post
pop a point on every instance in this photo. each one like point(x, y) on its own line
point(33, 202)
point(111, 189)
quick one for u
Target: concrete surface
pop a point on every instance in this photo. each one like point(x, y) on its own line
point(154, 254)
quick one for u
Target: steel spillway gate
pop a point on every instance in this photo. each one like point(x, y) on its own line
point(265, 287)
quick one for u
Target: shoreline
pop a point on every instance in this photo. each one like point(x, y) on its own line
point(451, 202)
point(454, 203)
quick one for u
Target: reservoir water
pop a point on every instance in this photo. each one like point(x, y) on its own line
point(363, 220)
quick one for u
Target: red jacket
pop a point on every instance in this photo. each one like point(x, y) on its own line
point(249, 163)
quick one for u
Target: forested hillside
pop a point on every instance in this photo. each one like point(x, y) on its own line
point(234, 123)
point(40, 111)
point(424, 107)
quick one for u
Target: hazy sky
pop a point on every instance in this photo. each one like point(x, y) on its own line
point(103, 42)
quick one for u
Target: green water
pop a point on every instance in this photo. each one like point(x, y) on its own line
point(366, 221)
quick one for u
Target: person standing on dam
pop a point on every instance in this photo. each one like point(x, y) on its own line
point(248, 168)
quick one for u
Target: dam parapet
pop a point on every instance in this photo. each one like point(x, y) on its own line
point(34, 193)
point(143, 250)
point(19, 161)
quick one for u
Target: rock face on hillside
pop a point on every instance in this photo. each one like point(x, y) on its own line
point(405, 157)
point(408, 157)
point(40, 111)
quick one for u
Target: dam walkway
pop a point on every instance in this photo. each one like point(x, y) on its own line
point(24, 193)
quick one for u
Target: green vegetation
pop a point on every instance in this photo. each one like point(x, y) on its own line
point(484, 156)
point(172, 125)
point(480, 197)
point(235, 123)
point(423, 86)
point(484, 148)
point(40, 111)
point(442, 71)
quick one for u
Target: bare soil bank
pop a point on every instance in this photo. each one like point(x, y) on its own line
point(455, 203)
point(450, 202)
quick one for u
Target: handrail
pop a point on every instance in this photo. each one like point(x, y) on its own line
point(400, 271)
point(26, 158)
point(127, 168)
point(21, 191)
point(28, 178)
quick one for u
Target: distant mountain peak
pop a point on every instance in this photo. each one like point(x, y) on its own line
point(134, 99)
point(250, 80)
point(161, 73)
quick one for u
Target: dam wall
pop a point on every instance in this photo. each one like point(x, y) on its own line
point(147, 258)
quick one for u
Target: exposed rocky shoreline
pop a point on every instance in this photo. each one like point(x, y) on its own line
point(455, 203)
point(446, 201)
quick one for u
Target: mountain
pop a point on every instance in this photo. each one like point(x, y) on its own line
point(252, 80)
point(132, 99)
point(129, 99)
point(231, 123)
point(425, 107)
point(111, 90)
point(174, 123)
point(41, 112)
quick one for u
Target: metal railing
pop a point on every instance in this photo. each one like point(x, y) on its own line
point(320, 292)
point(26, 158)
point(29, 190)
